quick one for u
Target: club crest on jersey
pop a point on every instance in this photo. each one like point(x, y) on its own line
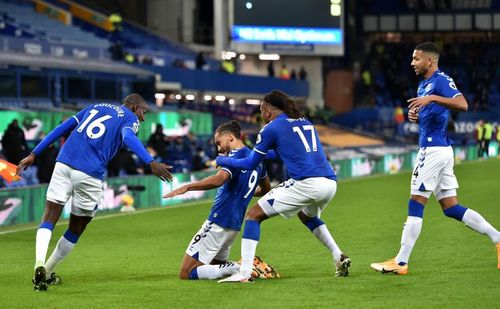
point(428, 88)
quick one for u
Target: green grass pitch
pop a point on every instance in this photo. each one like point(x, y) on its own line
point(132, 261)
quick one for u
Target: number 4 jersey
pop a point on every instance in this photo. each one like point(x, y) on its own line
point(97, 137)
point(298, 146)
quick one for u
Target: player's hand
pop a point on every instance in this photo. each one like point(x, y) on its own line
point(419, 102)
point(178, 191)
point(413, 115)
point(161, 171)
point(24, 163)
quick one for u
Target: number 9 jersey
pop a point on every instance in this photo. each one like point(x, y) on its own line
point(298, 146)
point(97, 137)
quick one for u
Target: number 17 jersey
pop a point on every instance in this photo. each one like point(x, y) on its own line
point(297, 144)
point(97, 137)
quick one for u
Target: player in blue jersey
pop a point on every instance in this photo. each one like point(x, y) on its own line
point(97, 133)
point(436, 95)
point(307, 193)
point(207, 254)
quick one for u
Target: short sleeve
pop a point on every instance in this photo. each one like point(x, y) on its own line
point(131, 123)
point(447, 88)
point(265, 139)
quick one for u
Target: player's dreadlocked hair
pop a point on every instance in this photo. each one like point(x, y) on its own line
point(283, 102)
point(232, 127)
point(428, 47)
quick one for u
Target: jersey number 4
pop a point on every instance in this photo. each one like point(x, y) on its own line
point(310, 128)
point(96, 125)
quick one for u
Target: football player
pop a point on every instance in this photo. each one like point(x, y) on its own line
point(98, 132)
point(436, 95)
point(307, 193)
point(207, 254)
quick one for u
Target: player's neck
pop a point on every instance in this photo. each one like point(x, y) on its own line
point(237, 145)
point(430, 72)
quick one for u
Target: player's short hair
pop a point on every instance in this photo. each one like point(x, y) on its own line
point(283, 102)
point(428, 47)
point(134, 99)
point(232, 127)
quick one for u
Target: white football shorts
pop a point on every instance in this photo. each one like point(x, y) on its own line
point(85, 191)
point(311, 195)
point(433, 173)
point(211, 242)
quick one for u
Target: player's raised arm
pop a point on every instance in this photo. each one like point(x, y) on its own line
point(160, 170)
point(54, 135)
point(249, 163)
point(210, 182)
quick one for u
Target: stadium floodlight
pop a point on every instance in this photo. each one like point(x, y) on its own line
point(159, 96)
point(252, 101)
point(269, 56)
point(231, 101)
point(220, 98)
point(190, 97)
point(207, 97)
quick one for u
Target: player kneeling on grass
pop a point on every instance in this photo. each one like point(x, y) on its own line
point(207, 253)
point(97, 133)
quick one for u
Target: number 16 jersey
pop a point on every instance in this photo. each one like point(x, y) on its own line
point(97, 137)
point(298, 146)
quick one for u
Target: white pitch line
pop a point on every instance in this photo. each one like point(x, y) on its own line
point(110, 216)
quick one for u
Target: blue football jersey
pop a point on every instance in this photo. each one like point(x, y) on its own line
point(433, 118)
point(97, 137)
point(231, 201)
point(297, 144)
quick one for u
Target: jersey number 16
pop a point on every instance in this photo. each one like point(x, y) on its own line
point(98, 123)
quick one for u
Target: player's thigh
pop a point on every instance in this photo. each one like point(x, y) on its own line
point(324, 190)
point(292, 196)
point(87, 193)
point(225, 250)
point(428, 170)
point(448, 182)
point(60, 186)
point(207, 242)
point(286, 200)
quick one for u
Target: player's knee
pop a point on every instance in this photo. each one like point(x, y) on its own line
point(256, 213)
point(184, 275)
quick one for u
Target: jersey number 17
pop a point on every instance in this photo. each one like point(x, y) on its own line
point(300, 131)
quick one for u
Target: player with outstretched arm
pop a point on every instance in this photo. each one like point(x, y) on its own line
point(208, 252)
point(307, 193)
point(97, 133)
